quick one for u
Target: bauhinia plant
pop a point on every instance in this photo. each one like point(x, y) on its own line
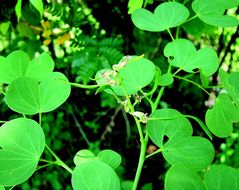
point(33, 87)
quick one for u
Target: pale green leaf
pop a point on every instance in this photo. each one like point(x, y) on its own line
point(196, 152)
point(211, 12)
point(169, 123)
point(18, 9)
point(135, 75)
point(110, 157)
point(38, 4)
point(227, 4)
point(221, 177)
point(134, 4)
point(28, 96)
point(18, 64)
point(40, 67)
point(182, 53)
point(2, 187)
point(94, 175)
point(183, 177)
point(22, 141)
point(220, 118)
point(84, 155)
point(166, 15)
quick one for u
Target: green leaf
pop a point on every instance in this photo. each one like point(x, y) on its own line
point(204, 80)
point(94, 175)
point(134, 4)
point(165, 79)
point(110, 157)
point(127, 185)
point(22, 141)
point(211, 12)
point(18, 64)
point(135, 75)
point(166, 15)
point(221, 177)
point(84, 155)
point(40, 67)
point(18, 9)
point(147, 186)
point(38, 4)
point(182, 53)
point(2, 187)
point(4, 26)
point(170, 123)
point(183, 177)
point(220, 118)
point(197, 152)
point(227, 4)
point(28, 96)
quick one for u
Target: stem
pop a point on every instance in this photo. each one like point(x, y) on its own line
point(3, 93)
point(195, 16)
point(170, 34)
point(3, 121)
point(156, 152)
point(81, 85)
point(143, 147)
point(194, 83)
point(58, 160)
point(40, 116)
point(155, 105)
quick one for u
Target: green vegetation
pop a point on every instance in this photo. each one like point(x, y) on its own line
point(120, 95)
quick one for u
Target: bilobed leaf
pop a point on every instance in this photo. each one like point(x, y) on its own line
point(170, 123)
point(166, 15)
point(28, 96)
point(220, 118)
point(22, 141)
point(18, 64)
point(40, 67)
point(182, 53)
point(222, 177)
point(93, 175)
point(135, 75)
point(183, 177)
point(84, 155)
point(110, 157)
point(211, 12)
point(196, 152)
point(38, 4)
point(134, 4)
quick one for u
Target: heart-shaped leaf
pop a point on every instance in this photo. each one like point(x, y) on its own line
point(221, 177)
point(28, 96)
point(183, 176)
point(95, 174)
point(211, 12)
point(166, 15)
point(169, 123)
point(22, 142)
point(135, 75)
point(110, 157)
point(182, 53)
point(196, 152)
point(220, 118)
point(18, 64)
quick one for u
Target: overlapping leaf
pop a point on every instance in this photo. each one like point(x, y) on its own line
point(221, 117)
point(110, 157)
point(28, 96)
point(184, 177)
point(181, 147)
point(166, 15)
point(135, 75)
point(211, 12)
point(182, 53)
point(88, 175)
point(18, 64)
point(22, 142)
point(222, 177)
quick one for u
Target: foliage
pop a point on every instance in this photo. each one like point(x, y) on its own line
point(137, 83)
